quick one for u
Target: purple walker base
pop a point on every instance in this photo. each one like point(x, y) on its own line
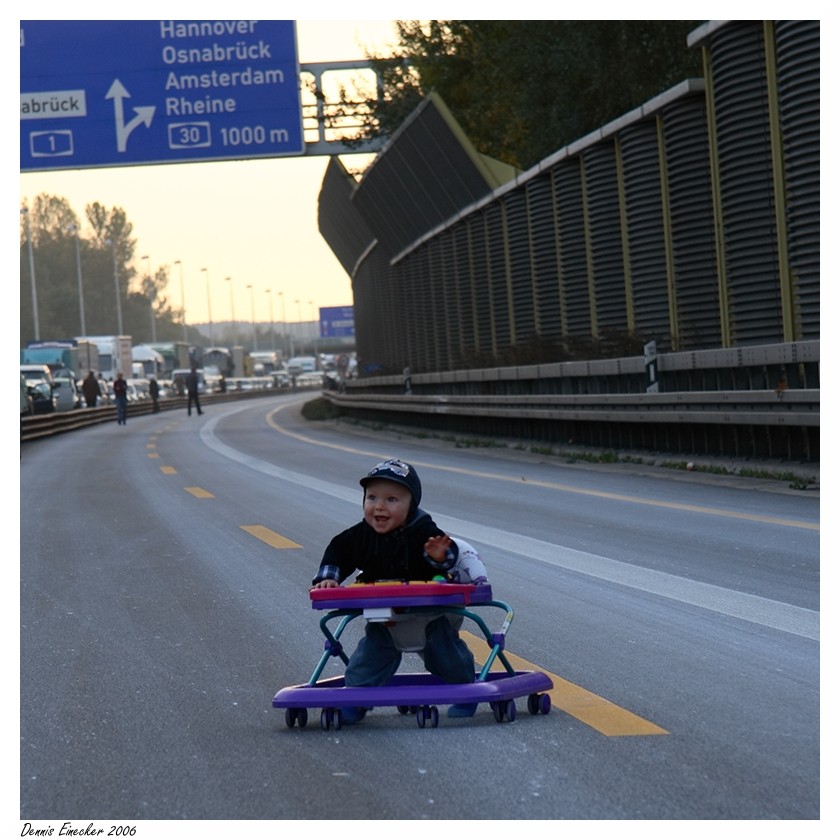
point(419, 689)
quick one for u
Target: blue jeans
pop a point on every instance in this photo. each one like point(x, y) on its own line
point(377, 658)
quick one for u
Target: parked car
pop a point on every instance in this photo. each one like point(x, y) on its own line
point(309, 379)
point(179, 381)
point(38, 372)
point(167, 389)
point(106, 392)
point(43, 399)
point(68, 393)
point(26, 406)
point(138, 389)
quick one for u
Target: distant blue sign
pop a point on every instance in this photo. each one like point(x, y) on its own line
point(99, 93)
point(336, 322)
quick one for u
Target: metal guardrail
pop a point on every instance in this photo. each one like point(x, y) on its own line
point(58, 422)
point(750, 408)
point(54, 423)
point(754, 423)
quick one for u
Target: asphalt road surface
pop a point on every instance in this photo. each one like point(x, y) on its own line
point(165, 568)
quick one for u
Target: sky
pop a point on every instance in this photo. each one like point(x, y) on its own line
point(254, 221)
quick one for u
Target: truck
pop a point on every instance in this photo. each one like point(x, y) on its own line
point(114, 354)
point(302, 364)
point(147, 362)
point(218, 357)
point(265, 362)
point(176, 354)
point(71, 354)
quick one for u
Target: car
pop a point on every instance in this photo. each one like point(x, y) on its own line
point(309, 379)
point(26, 401)
point(37, 372)
point(106, 392)
point(179, 380)
point(67, 392)
point(43, 399)
point(138, 390)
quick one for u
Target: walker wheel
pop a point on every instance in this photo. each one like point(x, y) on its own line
point(428, 713)
point(504, 710)
point(539, 704)
point(330, 719)
point(298, 716)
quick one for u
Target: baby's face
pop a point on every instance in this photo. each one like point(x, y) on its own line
point(386, 505)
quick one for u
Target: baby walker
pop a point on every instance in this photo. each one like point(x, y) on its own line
point(418, 693)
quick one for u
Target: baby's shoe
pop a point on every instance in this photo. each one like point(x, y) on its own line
point(352, 714)
point(462, 710)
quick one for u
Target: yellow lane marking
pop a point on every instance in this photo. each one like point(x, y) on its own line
point(199, 493)
point(588, 708)
point(153, 455)
point(550, 485)
point(168, 470)
point(274, 539)
point(151, 446)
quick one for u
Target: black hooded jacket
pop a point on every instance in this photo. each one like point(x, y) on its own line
point(397, 555)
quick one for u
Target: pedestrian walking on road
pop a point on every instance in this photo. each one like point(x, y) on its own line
point(121, 398)
point(192, 392)
point(154, 393)
point(91, 390)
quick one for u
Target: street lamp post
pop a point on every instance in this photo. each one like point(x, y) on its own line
point(183, 301)
point(283, 317)
point(75, 230)
point(151, 296)
point(253, 317)
point(317, 330)
point(300, 318)
point(116, 286)
point(36, 323)
point(232, 313)
point(271, 315)
point(209, 311)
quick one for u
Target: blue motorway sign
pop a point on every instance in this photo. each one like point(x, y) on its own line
point(101, 93)
point(336, 322)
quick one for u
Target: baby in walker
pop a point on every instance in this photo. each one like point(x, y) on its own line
point(397, 540)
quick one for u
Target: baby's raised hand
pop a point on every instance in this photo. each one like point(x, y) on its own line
point(436, 547)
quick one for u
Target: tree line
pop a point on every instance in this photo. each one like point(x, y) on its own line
point(50, 232)
point(521, 89)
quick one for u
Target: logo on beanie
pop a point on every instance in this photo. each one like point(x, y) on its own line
point(399, 468)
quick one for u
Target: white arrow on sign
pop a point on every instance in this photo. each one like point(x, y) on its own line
point(143, 115)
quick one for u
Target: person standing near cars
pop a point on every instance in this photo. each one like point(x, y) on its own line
point(121, 398)
point(192, 392)
point(91, 390)
point(154, 393)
